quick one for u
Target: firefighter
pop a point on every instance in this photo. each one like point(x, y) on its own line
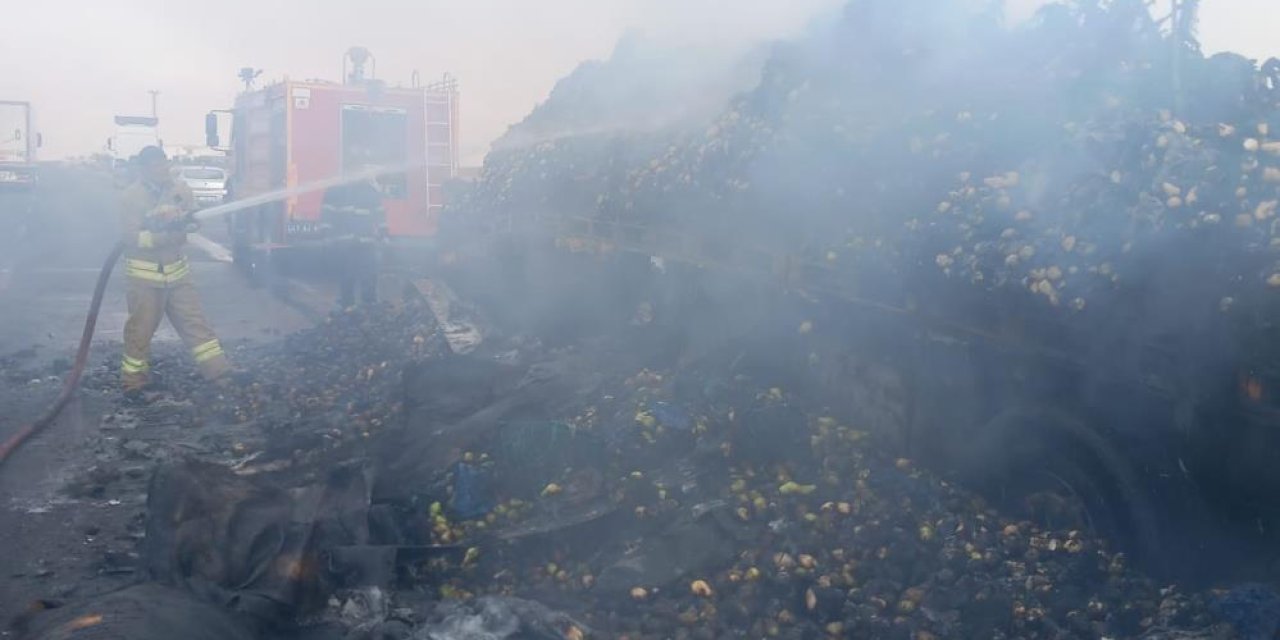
point(354, 217)
point(154, 220)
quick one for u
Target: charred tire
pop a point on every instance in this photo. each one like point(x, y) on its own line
point(1024, 449)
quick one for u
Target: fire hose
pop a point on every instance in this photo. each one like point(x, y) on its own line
point(104, 275)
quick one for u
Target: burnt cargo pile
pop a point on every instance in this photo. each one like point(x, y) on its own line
point(578, 151)
point(1068, 163)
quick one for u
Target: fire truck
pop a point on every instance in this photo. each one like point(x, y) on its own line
point(293, 133)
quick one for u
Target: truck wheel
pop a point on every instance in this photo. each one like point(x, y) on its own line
point(1027, 453)
point(250, 262)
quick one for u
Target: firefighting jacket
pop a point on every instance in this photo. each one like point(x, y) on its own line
point(353, 211)
point(150, 222)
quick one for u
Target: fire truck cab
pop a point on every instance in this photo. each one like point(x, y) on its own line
point(291, 134)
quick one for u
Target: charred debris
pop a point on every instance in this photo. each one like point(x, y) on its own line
point(531, 491)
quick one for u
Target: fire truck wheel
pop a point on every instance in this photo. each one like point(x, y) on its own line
point(251, 263)
point(1052, 466)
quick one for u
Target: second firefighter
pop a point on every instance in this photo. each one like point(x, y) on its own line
point(355, 218)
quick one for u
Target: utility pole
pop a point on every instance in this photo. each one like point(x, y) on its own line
point(153, 93)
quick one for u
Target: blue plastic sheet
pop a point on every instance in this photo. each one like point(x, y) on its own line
point(472, 492)
point(671, 416)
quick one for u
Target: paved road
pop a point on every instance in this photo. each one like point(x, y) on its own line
point(43, 307)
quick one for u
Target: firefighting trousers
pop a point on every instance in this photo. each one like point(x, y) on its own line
point(148, 305)
point(358, 262)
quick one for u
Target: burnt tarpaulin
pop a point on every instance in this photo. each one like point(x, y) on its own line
point(452, 387)
point(253, 548)
point(698, 541)
point(434, 437)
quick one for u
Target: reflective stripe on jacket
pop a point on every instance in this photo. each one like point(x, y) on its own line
point(156, 272)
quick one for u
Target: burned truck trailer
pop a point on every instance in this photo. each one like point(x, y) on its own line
point(294, 133)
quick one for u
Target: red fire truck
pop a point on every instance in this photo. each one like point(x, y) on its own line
point(294, 133)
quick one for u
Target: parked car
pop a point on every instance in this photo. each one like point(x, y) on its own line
point(208, 184)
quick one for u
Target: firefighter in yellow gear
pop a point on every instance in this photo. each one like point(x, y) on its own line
point(154, 220)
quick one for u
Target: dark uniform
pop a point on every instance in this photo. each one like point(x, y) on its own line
point(356, 222)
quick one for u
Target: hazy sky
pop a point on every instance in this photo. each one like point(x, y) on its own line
point(82, 61)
